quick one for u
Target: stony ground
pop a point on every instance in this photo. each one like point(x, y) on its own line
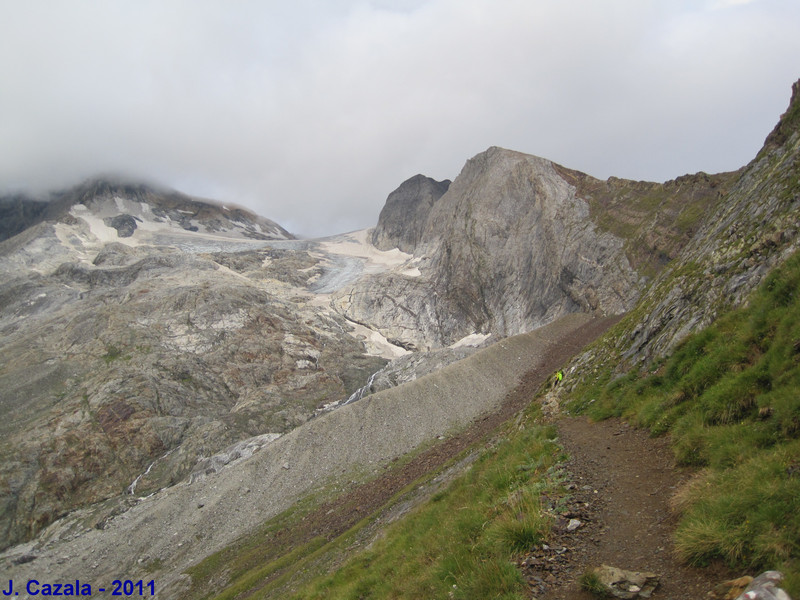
point(622, 481)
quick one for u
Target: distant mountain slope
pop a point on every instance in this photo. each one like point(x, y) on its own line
point(142, 331)
point(517, 241)
point(122, 203)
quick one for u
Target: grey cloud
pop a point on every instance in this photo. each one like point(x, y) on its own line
point(312, 112)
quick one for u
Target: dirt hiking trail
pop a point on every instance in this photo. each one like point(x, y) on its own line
point(622, 482)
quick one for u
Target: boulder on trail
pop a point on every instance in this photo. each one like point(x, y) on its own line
point(765, 587)
point(626, 584)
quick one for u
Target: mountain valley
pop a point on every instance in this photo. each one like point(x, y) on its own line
point(176, 372)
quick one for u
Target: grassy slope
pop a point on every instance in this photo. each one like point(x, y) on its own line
point(730, 398)
point(461, 543)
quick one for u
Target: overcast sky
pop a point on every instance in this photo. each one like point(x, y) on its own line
point(310, 112)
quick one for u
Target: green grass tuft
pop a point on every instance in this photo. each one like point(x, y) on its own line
point(590, 582)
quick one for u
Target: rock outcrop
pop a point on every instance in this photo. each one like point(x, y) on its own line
point(625, 584)
point(753, 230)
point(403, 218)
point(517, 241)
point(139, 338)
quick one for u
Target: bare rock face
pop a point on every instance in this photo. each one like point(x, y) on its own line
point(509, 247)
point(403, 309)
point(135, 348)
point(513, 246)
point(403, 218)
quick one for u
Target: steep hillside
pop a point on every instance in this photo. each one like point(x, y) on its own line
point(728, 397)
point(517, 241)
point(753, 229)
point(142, 334)
point(17, 213)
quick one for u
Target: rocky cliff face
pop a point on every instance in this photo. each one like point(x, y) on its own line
point(403, 218)
point(517, 241)
point(753, 227)
point(513, 247)
point(141, 333)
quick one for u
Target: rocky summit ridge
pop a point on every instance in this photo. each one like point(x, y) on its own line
point(517, 241)
point(155, 347)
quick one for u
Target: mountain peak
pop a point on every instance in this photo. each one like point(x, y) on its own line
point(121, 200)
point(403, 218)
point(788, 124)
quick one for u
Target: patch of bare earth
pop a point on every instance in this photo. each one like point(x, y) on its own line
point(621, 484)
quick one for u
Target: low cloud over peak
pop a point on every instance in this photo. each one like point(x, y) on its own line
point(311, 113)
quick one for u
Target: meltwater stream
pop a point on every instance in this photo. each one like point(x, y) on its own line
point(132, 486)
point(354, 397)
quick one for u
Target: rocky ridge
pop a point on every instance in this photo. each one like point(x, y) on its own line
point(750, 231)
point(123, 203)
point(130, 354)
point(517, 241)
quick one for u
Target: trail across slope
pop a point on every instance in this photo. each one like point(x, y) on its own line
point(554, 345)
point(623, 481)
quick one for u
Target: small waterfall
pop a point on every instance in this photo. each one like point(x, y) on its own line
point(132, 486)
point(354, 397)
point(359, 393)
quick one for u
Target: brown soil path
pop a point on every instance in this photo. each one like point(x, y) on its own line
point(622, 481)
